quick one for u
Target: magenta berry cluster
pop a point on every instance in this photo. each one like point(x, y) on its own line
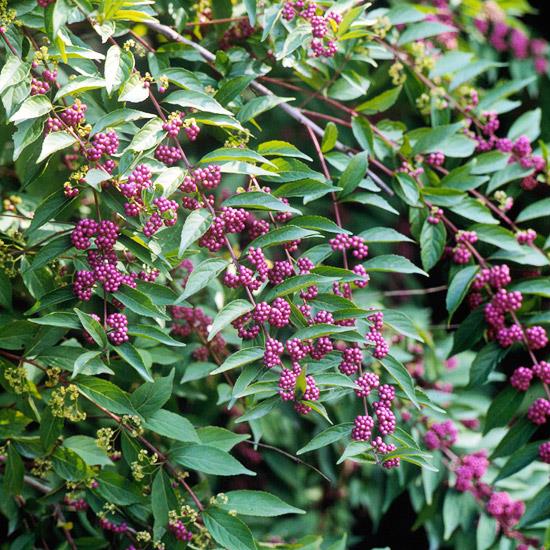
point(322, 45)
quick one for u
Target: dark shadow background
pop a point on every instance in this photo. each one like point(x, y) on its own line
point(539, 21)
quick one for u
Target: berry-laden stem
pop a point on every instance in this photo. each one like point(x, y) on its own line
point(291, 111)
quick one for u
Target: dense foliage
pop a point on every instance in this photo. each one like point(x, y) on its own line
point(273, 275)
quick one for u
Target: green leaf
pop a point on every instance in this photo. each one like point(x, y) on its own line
point(229, 313)
point(69, 465)
point(432, 139)
point(133, 90)
point(227, 530)
point(208, 459)
point(535, 210)
point(401, 376)
point(473, 210)
point(163, 500)
point(112, 62)
point(469, 332)
point(93, 328)
point(106, 394)
point(119, 64)
point(538, 287)
point(232, 154)
point(13, 472)
point(83, 362)
point(257, 200)
point(281, 149)
point(258, 503)
point(57, 296)
point(452, 512)
point(298, 282)
point(363, 133)
point(327, 437)
point(486, 533)
point(400, 322)
point(503, 407)
point(384, 235)
point(470, 71)
point(149, 136)
point(528, 124)
point(330, 137)
point(512, 172)
point(86, 447)
point(13, 70)
point(485, 361)
point(259, 105)
point(537, 509)
point(516, 437)
point(240, 358)
point(232, 88)
point(371, 199)
point(151, 332)
point(196, 100)
point(407, 189)
point(150, 397)
point(50, 428)
point(319, 223)
point(220, 437)
point(131, 355)
point(424, 29)
point(5, 291)
point(407, 13)
point(450, 63)
point(78, 85)
point(490, 162)
point(138, 302)
point(117, 489)
point(353, 174)
point(202, 275)
point(381, 102)
point(319, 330)
point(282, 235)
point(520, 459)
point(118, 117)
point(27, 133)
point(32, 107)
point(194, 227)
point(393, 264)
point(171, 425)
point(458, 288)
point(53, 142)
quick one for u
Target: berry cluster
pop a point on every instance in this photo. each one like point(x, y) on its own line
point(507, 39)
point(200, 179)
point(355, 243)
point(179, 530)
point(501, 305)
point(461, 253)
point(118, 324)
point(104, 143)
point(321, 45)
